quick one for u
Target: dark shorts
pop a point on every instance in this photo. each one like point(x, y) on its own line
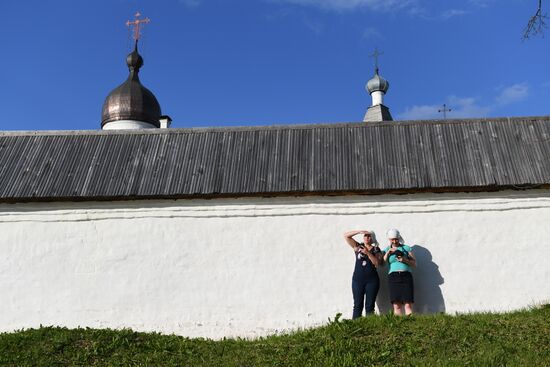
point(401, 287)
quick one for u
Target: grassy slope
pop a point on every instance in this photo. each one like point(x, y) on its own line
point(520, 338)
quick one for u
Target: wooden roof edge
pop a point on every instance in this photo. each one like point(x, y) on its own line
point(373, 192)
point(272, 127)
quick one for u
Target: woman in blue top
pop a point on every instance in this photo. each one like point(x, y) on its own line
point(400, 259)
point(365, 282)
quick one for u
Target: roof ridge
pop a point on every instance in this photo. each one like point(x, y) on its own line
point(329, 125)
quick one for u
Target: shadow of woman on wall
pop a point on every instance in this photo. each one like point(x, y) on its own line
point(427, 281)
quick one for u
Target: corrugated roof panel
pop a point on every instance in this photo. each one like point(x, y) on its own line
point(18, 172)
point(539, 139)
point(50, 167)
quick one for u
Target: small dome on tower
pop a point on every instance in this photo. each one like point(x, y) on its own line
point(134, 60)
point(131, 101)
point(377, 83)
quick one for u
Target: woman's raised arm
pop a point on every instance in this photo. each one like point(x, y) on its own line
point(348, 236)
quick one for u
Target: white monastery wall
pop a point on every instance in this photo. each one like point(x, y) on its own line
point(255, 266)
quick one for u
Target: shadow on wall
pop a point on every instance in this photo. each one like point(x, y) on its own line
point(427, 281)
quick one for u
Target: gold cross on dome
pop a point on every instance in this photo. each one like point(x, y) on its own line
point(137, 25)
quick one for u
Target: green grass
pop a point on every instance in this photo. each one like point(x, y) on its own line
point(514, 339)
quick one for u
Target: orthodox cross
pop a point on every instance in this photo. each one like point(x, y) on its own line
point(444, 110)
point(137, 25)
point(375, 54)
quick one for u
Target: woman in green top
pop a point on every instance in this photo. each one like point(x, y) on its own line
point(400, 259)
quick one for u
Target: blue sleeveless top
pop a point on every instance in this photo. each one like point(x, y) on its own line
point(364, 268)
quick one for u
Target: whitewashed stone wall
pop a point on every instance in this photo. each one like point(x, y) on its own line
point(250, 267)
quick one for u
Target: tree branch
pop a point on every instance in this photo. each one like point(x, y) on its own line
point(536, 24)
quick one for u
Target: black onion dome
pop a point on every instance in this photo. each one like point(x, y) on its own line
point(131, 100)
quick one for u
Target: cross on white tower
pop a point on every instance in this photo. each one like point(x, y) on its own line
point(444, 110)
point(375, 55)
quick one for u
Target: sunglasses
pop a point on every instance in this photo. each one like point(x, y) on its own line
point(366, 235)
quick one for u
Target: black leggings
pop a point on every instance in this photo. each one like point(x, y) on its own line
point(364, 293)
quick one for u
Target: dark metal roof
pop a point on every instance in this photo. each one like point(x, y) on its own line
point(398, 157)
point(131, 100)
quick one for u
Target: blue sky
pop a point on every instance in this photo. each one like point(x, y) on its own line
point(257, 62)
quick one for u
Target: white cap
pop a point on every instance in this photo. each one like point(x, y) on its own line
point(393, 233)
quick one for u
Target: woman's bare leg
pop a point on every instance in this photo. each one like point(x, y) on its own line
point(397, 308)
point(408, 309)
